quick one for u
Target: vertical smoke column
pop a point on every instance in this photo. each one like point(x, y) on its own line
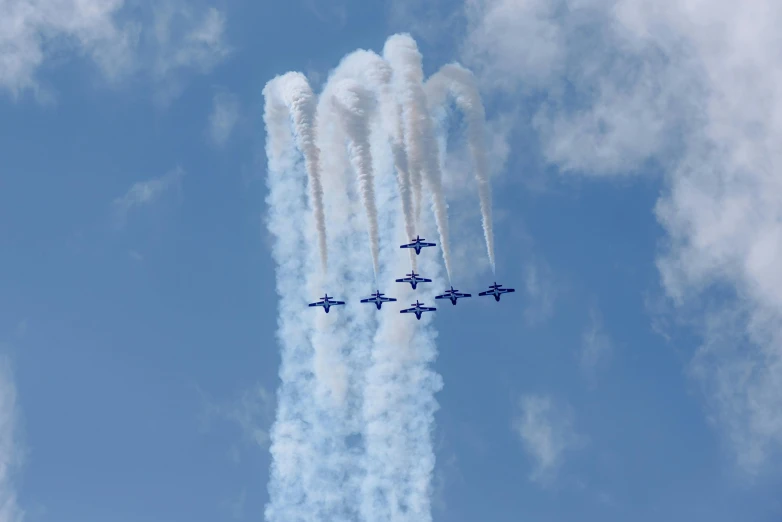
point(460, 83)
point(290, 449)
point(378, 75)
point(422, 151)
point(355, 105)
point(299, 98)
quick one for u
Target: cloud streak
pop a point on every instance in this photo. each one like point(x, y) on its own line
point(10, 511)
point(223, 118)
point(145, 193)
point(547, 432)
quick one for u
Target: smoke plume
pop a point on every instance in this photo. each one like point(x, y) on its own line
point(460, 83)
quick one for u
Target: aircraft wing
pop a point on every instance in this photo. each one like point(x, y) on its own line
point(424, 280)
point(462, 295)
point(506, 290)
point(368, 300)
point(407, 311)
point(337, 303)
point(487, 292)
point(319, 303)
point(427, 244)
point(409, 245)
point(404, 280)
point(387, 299)
point(444, 296)
point(428, 309)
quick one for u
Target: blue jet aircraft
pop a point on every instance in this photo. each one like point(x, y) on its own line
point(414, 279)
point(417, 309)
point(327, 303)
point(496, 291)
point(453, 295)
point(378, 299)
point(417, 244)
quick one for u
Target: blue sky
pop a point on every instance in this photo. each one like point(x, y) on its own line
point(633, 376)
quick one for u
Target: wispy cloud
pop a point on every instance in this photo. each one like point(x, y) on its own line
point(10, 454)
point(596, 347)
point(690, 86)
point(541, 289)
point(119, 40)
point(223, 118)
point(235, 506)
point(145, 193)
point(547, 433)
point(251, 411)
point(199, 47)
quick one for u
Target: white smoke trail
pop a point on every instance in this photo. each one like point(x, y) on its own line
point(355, 105)
point(399, 400)
point(290, 448)
point(422, 151)
point(300, 99)
point(310, 458)
point(352, 438)
point(377, 74)
point(460, 83)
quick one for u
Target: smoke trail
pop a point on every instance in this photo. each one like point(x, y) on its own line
point(377, 74)
point(298, 96)
point(401, 136)
point(399, 393)
point(291, 449)
point(310, 460)
point(373, 71)
point(460, 83)
point(355, 105)
point(422, 151)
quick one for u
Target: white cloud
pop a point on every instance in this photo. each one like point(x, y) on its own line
point(547, 434)
point(10, 457)
point(184, 38)
point(695, 87)
point(145, 193)
point(118, 40)
point(596, 347)
point(513, 42)
point(252, 412)
point(541, 291)
point(225, 114)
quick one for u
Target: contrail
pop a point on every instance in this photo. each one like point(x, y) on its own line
point(291, 448)
point(355, 105)
point(373, 71)
point(460, 83)
point(299, 98)
point(399, 390)
point(402, 53)
point(352, 436)
point(310, 461)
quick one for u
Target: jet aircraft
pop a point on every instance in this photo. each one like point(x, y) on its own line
point(497, 291)
point(453, 295)
point(378, 299)
point(417, 309)
point(417, 244)
point(327, 303)
point(414, 279)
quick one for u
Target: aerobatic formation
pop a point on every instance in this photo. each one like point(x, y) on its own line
point(378, 298)
point(356, 168)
